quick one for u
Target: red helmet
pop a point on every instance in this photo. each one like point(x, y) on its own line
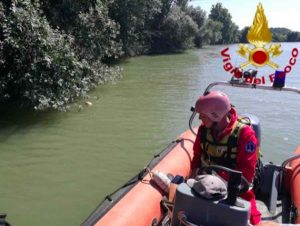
point(215, 105)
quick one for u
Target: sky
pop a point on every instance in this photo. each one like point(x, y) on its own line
point(279, 13)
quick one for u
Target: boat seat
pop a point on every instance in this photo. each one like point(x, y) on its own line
point(200, 211)
point(269, 188)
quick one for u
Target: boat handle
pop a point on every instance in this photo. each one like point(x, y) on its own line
point(183, 219)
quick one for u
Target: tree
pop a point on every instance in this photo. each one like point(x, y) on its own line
point(211, 32)
point(197, 14)
point(136, 19)
point(229, 29)
point(243, 35)
point(278, 37)
point(64, 13)
point(176, 33)
point(88, 22)
point(96, 35)
point(165, 9)
point(293, 36)
point(199, 17)
point(234, 35)
point(279, 34)
point(182, 4)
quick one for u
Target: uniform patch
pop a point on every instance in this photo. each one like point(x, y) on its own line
point(250, 147)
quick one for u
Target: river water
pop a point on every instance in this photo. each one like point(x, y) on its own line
point(56, 167)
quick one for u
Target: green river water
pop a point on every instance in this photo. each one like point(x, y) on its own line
point(56, 167)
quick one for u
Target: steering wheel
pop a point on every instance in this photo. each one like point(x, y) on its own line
point(243, 186)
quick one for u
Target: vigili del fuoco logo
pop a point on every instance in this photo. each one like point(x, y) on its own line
point(259, 53)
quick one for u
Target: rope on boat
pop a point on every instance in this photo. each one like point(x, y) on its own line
point(146, 170)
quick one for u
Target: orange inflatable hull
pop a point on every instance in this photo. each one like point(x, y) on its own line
point(295, 184)
point(138, 202)
point(144, 198)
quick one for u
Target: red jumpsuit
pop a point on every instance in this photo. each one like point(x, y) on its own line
point(245, 162)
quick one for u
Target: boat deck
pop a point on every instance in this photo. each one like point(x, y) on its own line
point(267, 215)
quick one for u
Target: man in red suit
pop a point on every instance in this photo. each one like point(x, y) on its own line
point(224, 140)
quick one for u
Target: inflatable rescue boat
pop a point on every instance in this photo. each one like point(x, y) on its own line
point(141, 202)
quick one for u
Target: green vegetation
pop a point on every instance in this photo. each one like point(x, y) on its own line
point(52, 52)
point(43, 67)
point(229, 30)
point(278, 35)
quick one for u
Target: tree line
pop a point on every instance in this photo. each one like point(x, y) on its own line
point(52, 52)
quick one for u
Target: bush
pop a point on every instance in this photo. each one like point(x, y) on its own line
point(38, 67)
point(95, 33)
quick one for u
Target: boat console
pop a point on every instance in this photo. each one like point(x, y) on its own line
point(191, 209)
